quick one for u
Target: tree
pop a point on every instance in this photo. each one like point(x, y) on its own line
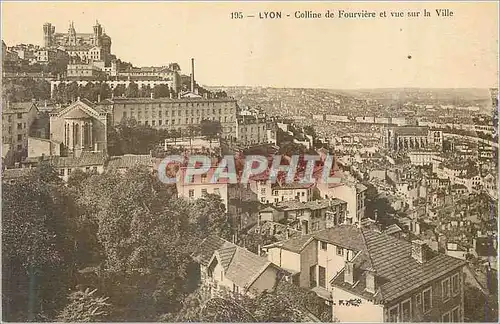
point(479, 307)
point(292, 148)
point(210, 128)
point(119, 90)
point(208, 214)
point(161, 91)
point(226, 306)
point(85, 307)
point(145, 242)
point(252, 241)
point(132, 90)
point(37, 245)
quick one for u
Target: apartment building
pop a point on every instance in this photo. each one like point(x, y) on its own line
point(17, 118)
point(306, 217)
point(269, 193)
point(175, 114)
point(253, 130)
point(352, 193)
point(399, 281)
point(389, 280)
point(201, 185)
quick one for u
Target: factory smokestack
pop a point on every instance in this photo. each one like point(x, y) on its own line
point(192, 75)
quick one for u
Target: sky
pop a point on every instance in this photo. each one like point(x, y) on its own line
point(431, 52)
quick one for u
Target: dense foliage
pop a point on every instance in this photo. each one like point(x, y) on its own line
point(117, 247)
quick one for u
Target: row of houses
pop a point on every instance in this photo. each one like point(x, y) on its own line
point(390, 279)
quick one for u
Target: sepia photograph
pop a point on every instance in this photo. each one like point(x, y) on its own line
point(234, 161)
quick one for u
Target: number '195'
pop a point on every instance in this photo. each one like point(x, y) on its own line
point(237, 15)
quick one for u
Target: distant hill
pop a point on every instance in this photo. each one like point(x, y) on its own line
point(413, 94)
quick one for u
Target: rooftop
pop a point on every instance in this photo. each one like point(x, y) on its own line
point(85, 159)
point(411, 131)
point(130, 160)
point(397, 272)
point(17, 107)
point(241, 266)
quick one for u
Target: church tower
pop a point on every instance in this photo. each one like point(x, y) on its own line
point(48, 34)
point(97, 33)
point(71, 34)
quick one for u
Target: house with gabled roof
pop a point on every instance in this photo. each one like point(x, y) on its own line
point(388, 278)
point(399, 281)
point(227, 265)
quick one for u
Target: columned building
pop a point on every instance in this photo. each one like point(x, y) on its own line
point(80, 126)
point(410, 138)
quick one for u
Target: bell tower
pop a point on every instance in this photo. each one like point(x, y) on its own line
point(71, 34)
point(97, 33)
point(48, 34)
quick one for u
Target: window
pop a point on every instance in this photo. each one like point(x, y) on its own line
point(19, 137)
point(323, 245)
point(19, 125)
point(69, 171)
point(455, 314)
point(427, 300)
point(94, 169)
point(406, 310)
point(204, 192)
point(263, 191)
point(394, 314)
point(445, 285)
point(446, 318)
point(455, 284)
point(87, 169)
point(322, 276)
point(191, 193)
point(312, 276)
point(340, 251)
point(61, 172)
point(203, 178)
point(19, 115)
point(418, 299)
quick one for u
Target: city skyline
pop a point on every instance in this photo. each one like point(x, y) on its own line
point(410, 54)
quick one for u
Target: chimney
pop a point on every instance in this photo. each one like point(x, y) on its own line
point(192, 75)
point(45, 103)
point(179, 95)
point(370, 280)
point(349, 272)
point(287, 234)
point(171, 95)
point(152, 97)
point(78, 99)
point(98, 97)
point(418, 250)
point(259, 250)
